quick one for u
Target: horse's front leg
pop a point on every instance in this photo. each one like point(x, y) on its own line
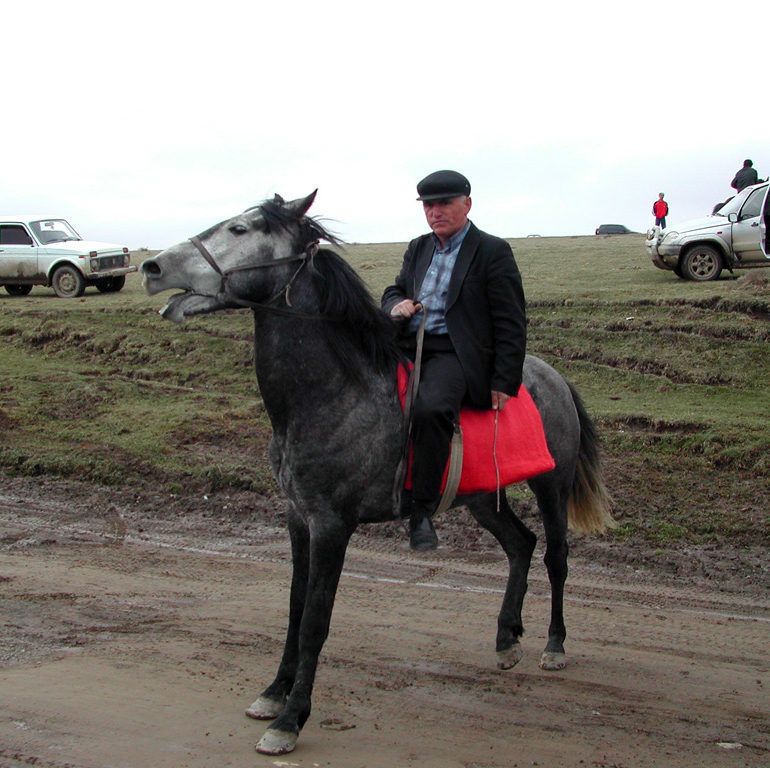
point(271, 702)
point(329, 537)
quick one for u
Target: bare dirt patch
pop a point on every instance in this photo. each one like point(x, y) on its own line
point(137, 628)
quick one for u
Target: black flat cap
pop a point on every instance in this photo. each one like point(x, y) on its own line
point(443, 184)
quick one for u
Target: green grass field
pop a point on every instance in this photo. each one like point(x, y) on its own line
point(676, 374)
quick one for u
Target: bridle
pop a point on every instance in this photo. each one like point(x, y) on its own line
point(311, 249)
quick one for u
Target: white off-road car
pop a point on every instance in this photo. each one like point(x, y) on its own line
point(733, 237)
point(35, 250)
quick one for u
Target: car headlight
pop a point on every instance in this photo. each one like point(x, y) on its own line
point(94, 265)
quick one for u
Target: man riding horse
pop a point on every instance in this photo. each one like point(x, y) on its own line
point(323, 348)
point(464, 286)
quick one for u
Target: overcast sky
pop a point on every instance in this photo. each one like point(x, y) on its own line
point(145, 122)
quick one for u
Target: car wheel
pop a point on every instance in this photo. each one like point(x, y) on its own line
point(111, 284)
point(18, 290)
point(68, 283)
point(701, 263)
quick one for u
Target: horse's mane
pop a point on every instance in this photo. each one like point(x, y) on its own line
point(359, 323)
point(359, 326)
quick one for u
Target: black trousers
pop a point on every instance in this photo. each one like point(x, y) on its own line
point(436, 410)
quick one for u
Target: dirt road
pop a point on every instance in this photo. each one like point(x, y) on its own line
point(138, 640)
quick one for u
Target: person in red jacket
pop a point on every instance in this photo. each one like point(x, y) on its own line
point(660, 211)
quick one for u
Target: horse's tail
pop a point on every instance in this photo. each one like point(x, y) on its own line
point(589, 505)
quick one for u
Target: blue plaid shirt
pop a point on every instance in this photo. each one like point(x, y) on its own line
point(435, 286)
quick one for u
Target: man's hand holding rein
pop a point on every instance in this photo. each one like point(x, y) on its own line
point(405, 309)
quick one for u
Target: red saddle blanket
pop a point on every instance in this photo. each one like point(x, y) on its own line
point(521, 448)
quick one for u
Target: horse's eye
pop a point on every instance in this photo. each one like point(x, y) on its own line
point(239, 229)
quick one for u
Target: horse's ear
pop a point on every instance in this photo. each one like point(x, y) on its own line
point(298, 208)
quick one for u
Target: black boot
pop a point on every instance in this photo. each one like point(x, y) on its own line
point(422, 534)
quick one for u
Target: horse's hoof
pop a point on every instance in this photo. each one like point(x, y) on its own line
point(551, 660)
point(510, 657)
point(265, 709)
point(277, 742)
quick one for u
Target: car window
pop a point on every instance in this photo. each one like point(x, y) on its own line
point(733, 205)
point(54, 231)
point(753, 205)
point(14, 234)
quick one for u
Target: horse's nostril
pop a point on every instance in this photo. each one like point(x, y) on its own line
point(151, 268)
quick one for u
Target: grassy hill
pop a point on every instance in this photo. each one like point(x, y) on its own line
point(675, 373)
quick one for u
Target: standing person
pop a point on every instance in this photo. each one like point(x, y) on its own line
point(660, 211)
point(745, 177)
point(467, 284)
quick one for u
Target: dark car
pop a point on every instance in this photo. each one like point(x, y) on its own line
point(613, 229)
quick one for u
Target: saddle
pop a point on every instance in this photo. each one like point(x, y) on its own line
point(519, 447)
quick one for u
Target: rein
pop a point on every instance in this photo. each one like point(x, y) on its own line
point(311, 249)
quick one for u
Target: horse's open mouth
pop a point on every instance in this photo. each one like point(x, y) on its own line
point(186, 304)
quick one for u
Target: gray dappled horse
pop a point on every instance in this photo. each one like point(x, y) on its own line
point(325, 362)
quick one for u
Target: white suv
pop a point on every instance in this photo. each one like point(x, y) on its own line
point(35, 250)
point(734, 237)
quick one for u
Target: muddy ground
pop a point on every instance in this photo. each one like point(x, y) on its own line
point(137, 628)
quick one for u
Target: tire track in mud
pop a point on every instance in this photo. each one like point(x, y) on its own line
point(474, 693)
point(400, 652)
point(563, 704)
point(374, 560)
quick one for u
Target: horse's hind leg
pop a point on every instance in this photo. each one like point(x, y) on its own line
point(553, 507)
point(271, 702)
point(518, 542)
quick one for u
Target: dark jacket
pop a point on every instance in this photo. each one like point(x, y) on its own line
point(744, 178)
point(485, 313)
